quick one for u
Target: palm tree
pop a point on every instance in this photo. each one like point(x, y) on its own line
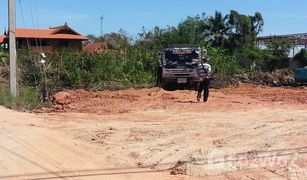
point(217, 29)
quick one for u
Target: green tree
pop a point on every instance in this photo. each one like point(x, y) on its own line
point(119, 40)
point(258, 23)
point(301, 58)
point(243, 30)
point(152, 39)
point(191, 30)
point(279, 48)
point(188, 31)
point(217, 29)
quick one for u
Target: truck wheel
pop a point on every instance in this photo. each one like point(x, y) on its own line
point(299, 83)
point(166, 86)
point(159, 76)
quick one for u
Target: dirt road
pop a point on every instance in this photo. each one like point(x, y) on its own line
point(243, 132)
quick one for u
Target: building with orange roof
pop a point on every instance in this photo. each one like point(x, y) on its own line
point(52, 39)
point(98, 47)
point(2, 39)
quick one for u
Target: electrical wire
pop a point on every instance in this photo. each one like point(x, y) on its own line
point(32, 58)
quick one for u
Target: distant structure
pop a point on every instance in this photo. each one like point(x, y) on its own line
point(52, 39)
point(2, 38)
point(296, 40)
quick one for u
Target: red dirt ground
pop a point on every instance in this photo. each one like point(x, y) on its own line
point(242, 132)
point(110, 102)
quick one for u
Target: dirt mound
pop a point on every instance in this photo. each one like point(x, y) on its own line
point(276, 78)
point(222, 81)
point(62, 98)
point(93, 102)
point(108, 102)
point(123, 101)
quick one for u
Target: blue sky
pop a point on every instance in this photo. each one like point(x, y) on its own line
point(281, 16)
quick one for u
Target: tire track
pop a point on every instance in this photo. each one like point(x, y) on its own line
point(36, 152)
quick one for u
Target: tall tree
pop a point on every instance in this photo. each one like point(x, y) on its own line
point(119, 40)
point(244, 29)
point(216, 29)
point(258, 23)
point(190, 31)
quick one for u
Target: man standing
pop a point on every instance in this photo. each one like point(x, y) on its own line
point(204, 70)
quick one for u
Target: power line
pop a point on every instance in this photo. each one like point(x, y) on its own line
point(28, 45)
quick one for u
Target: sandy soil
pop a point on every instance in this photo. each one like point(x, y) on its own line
point(243, 132)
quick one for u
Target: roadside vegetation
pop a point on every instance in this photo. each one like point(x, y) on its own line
point(229, 39)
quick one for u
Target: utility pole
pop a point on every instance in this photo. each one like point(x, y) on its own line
point(101, 26)
point(12, 48)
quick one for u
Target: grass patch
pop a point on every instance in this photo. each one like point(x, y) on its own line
point(27, 99)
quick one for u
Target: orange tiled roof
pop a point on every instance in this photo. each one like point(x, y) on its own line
point(99, 46)
point(2, 39)
point(46, 34)
point(60, 32)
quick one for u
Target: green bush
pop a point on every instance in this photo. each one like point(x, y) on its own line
point(3, 58)
point(262, 60)
point(132, 68)
point(301, 58)
point(223, 63)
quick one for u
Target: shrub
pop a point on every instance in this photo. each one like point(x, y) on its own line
point(223, 63)
point(132, 68)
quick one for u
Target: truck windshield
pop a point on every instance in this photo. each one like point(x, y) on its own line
point(180, 59)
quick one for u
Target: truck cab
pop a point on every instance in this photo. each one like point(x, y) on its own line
point(179, 65)
point(301, 75)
